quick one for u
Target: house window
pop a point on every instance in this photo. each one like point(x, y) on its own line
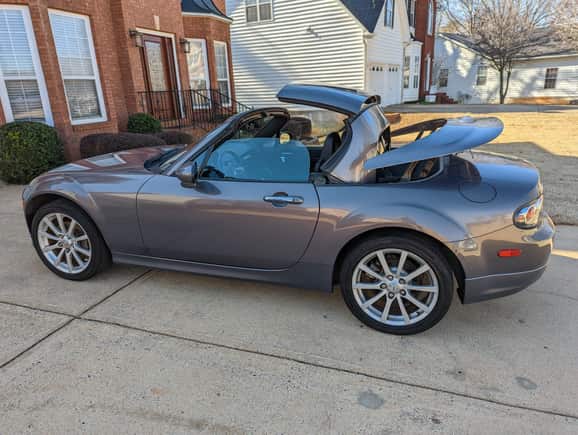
point(389, 13)
point(77, 60)
point(199, 69)
point(430, 18)
point(427, 73)
point(258, 10)
point(416, 68)
point(22, 88)
point(482, 76)
point(406, 72)
point(222, 64)
point(411, 12)
point(551, 77)
point(443, 78)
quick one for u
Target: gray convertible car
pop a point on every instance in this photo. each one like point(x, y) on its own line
point(337, 199)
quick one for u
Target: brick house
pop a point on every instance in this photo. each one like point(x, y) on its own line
point(422, 21)
point(84, 65)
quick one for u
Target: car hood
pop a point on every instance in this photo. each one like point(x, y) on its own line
point(122, 160)
point(455, 136)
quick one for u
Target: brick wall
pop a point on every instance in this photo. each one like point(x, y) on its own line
point(211, 30)
point(421, 19)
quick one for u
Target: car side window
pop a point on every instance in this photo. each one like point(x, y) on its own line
point(259, 159)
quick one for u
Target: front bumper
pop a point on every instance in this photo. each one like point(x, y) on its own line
point(488, 276)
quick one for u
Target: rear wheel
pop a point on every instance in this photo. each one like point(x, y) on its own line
point(68, 242)
point(397, 284)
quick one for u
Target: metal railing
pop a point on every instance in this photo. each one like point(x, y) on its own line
point(202, 108)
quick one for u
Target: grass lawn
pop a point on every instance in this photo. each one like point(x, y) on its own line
point(547, 139)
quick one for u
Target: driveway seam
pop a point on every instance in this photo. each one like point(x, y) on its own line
point(328, 367)
point(265, 354)
point(71, 317)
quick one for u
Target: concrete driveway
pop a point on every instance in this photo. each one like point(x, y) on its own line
point(142, 351)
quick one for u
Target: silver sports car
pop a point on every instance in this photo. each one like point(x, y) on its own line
point(328, 196)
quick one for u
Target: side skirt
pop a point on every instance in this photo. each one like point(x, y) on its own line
point(301, 275)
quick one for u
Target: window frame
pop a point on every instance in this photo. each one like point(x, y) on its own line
point(96, 71)
point(38, 71)
point(411, 12)
point(406, 74)
point(430, 17)
point(206, 68)
point(223, 44)
point(551, 82)
point(387, 15)
point(445, 76)
point(485, 75)
point(258, 6)
point(416, 71)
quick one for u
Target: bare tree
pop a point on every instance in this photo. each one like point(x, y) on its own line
point(503, 30)
point(565, 21)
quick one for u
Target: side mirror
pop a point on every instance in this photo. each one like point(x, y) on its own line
point(187, 173)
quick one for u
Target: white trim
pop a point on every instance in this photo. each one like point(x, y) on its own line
point(98, 84)
point(39, 74)
point(259, 20)
point(215, 44)
point(216, 17)
point(206, 60)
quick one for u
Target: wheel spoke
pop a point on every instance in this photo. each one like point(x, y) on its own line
point(69, 262)
point(417, 303)
point(50, 225)
point(77, 257)
point(401, 262)
point(371, 272)
point(81, 238)
point(402, 309)
point(423, 288)
point(48, 235)
point(383, 262)
point(367, 286)
point(385, 313)
point(374, 299)
point(59, 258)
point(50, 248)
point(82, 251)
point(61, 225)
point(417, 272)
point(71, 227)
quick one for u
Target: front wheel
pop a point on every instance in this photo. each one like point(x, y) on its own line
point(397, 284)
point(68, 242)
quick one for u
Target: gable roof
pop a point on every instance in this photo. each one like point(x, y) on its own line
point(202, 7)
point(553, 46)
point(365, 11)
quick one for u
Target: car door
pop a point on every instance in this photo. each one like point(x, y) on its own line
point(258, 213)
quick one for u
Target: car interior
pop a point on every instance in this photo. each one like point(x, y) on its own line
point(279, 147)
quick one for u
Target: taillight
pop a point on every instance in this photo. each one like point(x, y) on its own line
point(528, 216)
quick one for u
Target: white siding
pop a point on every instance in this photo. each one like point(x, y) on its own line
point(308, 41)
point(385, 46)
point(527, 80)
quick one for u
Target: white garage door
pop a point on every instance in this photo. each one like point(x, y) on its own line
point(385, 80)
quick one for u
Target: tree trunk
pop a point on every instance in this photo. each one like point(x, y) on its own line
point(502, 95)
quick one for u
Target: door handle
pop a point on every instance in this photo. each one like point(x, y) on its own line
point(281, 200)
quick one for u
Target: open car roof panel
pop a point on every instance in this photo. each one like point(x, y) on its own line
point(454, 136)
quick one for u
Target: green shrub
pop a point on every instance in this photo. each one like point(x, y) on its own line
point(175, 137)
point(27, 149)
point(143, 123)
point(103, 143)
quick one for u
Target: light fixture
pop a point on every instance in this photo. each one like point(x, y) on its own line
point(186, 44)
point(137, 36)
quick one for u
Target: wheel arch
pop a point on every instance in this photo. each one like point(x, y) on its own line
point(452, 259)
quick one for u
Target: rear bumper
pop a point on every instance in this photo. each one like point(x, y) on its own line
point(495, 286)
point(488, 276)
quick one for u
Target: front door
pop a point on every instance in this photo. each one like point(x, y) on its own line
point(160, 76)
point(232, 223)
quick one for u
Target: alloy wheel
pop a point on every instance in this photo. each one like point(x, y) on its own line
point(395, 287)
point(64, 243)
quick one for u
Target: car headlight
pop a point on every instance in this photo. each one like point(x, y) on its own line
point(528, 216)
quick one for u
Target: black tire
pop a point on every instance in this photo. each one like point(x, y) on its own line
point(100, 258)
point(421, 247)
